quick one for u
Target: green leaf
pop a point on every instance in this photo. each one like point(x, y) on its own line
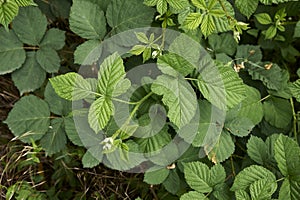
point(31, 76)
point(29, 119)
point(55, 139)
point(71, 86)
point(197, 175)
point(179, 96)
point(257, 150)
point(110, 73)
point(8, 10)
point(28, 28)
point(131, 14)
point(263, 18)
point(192, 21)
point(92, 157)
point(221, 86)
point(48, 59)
point(12, 54)
point(278, 112)
point(217, 175)
point(295, 89)
point(154, 177)
point(251, 174)
point(138, 49)
point(297, 30)
point(262, 189)
point(240, 127)
point(207, 25)
point(289, 190)
point(58, 105)
point(242, 195)
point(25, 2)
point(223, 148)
point(173, 182)
point(85, 53)
point(100, 113)
point(87, 20)
point(246, 7)
point(200, 4)
point(223, 43)
point(193, 195)
point(54, 38)
point(249, 52)
point(287, 155)
point(271, 32)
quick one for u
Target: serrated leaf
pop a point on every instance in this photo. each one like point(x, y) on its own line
point(156, 176)
point(55, 139)
point(131, 14)
point(289, 190)
point(29, 119)
point(100, 113)
point(71, 86)
point(30, 25)
point(30, 76)
point(86, 53)
point(263, 18)
point(221, 86)
point(223, 148)
point(297, 30)
point(92, 157)
point(173, 182)
point(178, 96)
point(71, 131)
point(242, 195)
point(295, 89)
point(197, 175)
point(54, 38)
point(193, 195)
point(58, 105)
point(257, 150)
point(48, 59)
point(25, 2)
point(223, 43)
point(12, 54)
point(207, 25)
point(271, 32)
point(8, 10)
point(217, 175)
point(287, 155)
point(246, 7)
point(249, 52)
point(249, 175)
point(240, 127)
point(278, 112)
point(262, 189)
point(137, 49)
point(192, 21)
point(87, 20)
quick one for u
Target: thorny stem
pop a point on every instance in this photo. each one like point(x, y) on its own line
point(294, 120)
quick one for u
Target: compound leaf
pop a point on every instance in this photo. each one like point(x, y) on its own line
point(29, 119)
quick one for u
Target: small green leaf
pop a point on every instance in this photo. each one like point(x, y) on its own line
point(87, 20)
point(247, 7)
point(147, 54)
point(12, 54)
point(263, 18)
point(257, 150)
point(208, 25)
point(240, 127)
point(197, 175)
point(71, 86)
point(262, 189)
point(55, 139)
point(137, 49)
point(193, 21)
point(193, 195)
point(271, 32)
point(29, 119)
point(92, 157)
point(48, 59)
point(87, 53)
point(155, 177)
point(28, 28)
point(295, 89)
point(54, 38)
point(31, 76)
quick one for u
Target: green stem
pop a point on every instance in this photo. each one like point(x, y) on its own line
point(294, 120)
point(280, 179)
point(266, 97)
point(163, 38)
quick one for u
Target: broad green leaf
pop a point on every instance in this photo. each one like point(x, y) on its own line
point(217, 175)
point(257, 150)
point(192, 21)
point(278, 112)
point(297, 30)
point(54, 38)
point(287, 155)
point(271, 32)
point(289, 190)
point(222, 191)
point(87, 20)
point(29, 119)
point(130, 14)
point(92, 157)
point(100, 113)
point(240, 127)
point(295, 89)
point(30, 76)
point(207, 25)
point(251, 174)
point(57, 105)
point(178, 96)
point(84, 53)
point(197, 175)
point(8, 10)
point(193, 195)
point(249, 52)
point(223, 43)
point(48, 59)
point(71, 131)
point(262, 189)
point(273, 78)
point(242, 195)
point(176, 62)
point(173, 182)
point(12, 54)
point(71, 86)
point(221, 86)
point(25, 2)
point(200, 4)
point(246, 7)
point(263, 18)
point(30, 25)
point(223, 148)
point(156, 176)
point(269, 2)
point(55, 139)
